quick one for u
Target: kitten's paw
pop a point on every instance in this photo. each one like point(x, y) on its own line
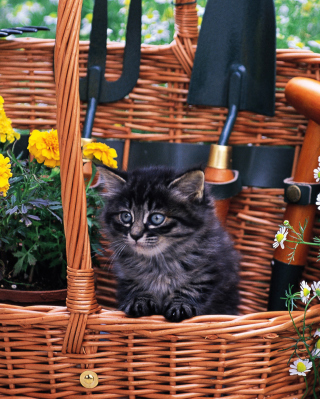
point(176, 311)
point(140, 306)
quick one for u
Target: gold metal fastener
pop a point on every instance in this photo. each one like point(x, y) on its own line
point(89, 379)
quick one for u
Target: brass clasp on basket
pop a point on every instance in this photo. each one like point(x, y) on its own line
point(89, 379)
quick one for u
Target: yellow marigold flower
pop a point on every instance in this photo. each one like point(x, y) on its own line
point(6, 131)
point(44, 146)
point(101, 152)
point(5, 174)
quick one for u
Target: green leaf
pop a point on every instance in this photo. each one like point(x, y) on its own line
point(31, 259)
point(19, 266)
point(20, 254)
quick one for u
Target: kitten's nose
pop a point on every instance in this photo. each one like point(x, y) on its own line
point(136, 235)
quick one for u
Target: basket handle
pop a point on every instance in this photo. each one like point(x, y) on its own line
point(186, 33)
point(81, 300)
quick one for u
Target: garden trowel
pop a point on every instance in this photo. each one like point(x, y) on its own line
point(234, 67)
point(94, 88)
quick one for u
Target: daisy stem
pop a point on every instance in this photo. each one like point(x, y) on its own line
point(306, 392)
point(315, 368)
point(304, 242)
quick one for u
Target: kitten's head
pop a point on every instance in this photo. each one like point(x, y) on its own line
point(152, 210)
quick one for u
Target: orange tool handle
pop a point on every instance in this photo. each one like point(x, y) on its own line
point(214, 175)
point(218, 170)
point(304, 95)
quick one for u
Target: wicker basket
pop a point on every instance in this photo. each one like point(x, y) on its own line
point(44, 350)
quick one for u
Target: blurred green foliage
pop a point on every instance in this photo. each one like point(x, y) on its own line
point(298, 22)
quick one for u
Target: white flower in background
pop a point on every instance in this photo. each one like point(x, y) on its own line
point(54, 2)
point(163, 1)
point(295, 42)
point(316, 350)
point(123, 10)
point(283, 14)
point(22, 13)
point(50, 19)
point(284, 10)
point(280, 237)
point(200, 10)
point(156, 31)
point(316, 288)
point(86, 24)
point(161, 30)
point(283, 19)
point(304, 292)
point(300, 367)
point(279, 34)
point(152, 16)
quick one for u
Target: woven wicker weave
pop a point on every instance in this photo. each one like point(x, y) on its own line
point(44, 349)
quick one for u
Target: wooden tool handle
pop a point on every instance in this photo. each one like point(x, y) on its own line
point(214, 175)
point(218, 170)
point(304, 95)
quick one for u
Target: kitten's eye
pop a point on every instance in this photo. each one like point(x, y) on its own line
point(126, 217)
point(157, 218)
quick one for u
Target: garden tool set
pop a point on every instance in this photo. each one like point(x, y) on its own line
point(234, 68)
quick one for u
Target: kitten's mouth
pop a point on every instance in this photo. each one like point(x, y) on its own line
point(146, 246)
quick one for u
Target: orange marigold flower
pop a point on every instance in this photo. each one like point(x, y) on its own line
point(5, 174)
point(102, 152)
point(44, 146)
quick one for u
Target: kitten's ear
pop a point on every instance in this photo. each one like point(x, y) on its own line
point(111, 181)
point(190, 185)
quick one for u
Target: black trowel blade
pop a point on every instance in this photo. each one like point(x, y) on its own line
point(233, 33)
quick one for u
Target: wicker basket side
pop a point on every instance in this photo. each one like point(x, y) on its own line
point(208, 356)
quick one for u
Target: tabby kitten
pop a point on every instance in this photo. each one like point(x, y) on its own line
point(171, 255)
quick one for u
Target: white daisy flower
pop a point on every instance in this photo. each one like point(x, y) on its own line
point(316, 350)
point(318, 201)
point(314, 43)
point(152, 16)
point(317, 333)
point(300, 367)
point(316, 174)
point(280, 237)
point(304, 292)
point(316, 289)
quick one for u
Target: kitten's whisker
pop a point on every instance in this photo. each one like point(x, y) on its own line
point(118, 251)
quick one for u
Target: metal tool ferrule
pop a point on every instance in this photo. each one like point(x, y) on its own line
point(220, 156)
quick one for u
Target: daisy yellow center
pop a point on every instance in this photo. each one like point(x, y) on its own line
point(279, 237)
point(301, 367)
point(306, 292)
point(318, 344)
point(318, 291)
point(319, 174)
